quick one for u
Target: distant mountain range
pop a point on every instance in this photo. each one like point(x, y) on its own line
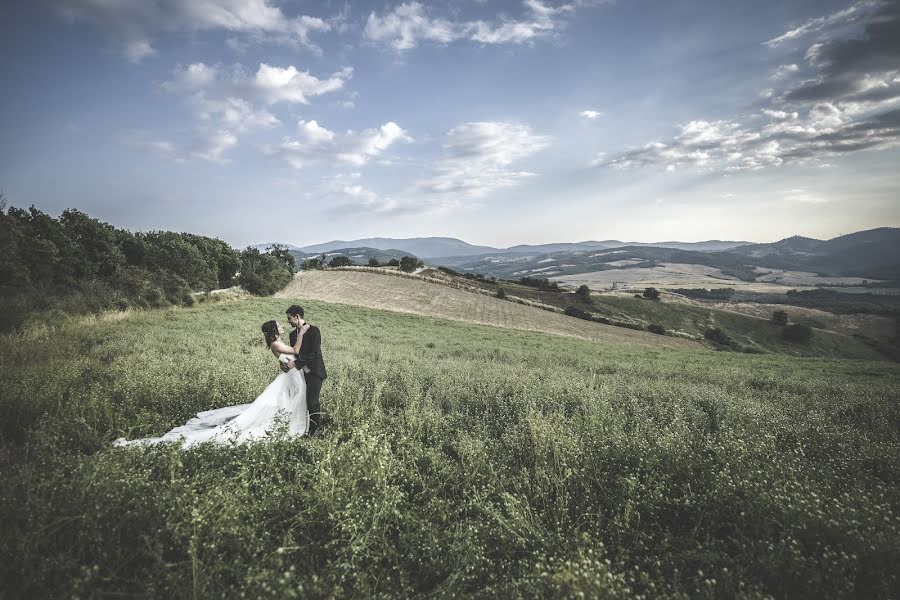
point(435, 247)
point(873, 254)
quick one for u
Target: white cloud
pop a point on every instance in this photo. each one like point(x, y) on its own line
point(136, 21)
point(478, 156)
point(780, 115)
point(850, 14)
point(849, 105)
point(212, 145)
point(408, 25)
point(277, 84)
point(802, 196)
point(784, 71)
point(227, 102)
point(209, 145)
point(236, 114)
point(590, 114)
point(316, 144)
point(269, 84)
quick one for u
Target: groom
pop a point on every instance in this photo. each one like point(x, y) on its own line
point(310, 361)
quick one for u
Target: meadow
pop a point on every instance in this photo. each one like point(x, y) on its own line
point(461, 460)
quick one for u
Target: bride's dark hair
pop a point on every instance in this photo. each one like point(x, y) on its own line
point(270, 330)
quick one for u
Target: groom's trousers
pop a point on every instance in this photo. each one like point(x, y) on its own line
point(313, 389)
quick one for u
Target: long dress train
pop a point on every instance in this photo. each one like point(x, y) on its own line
point(280, 407)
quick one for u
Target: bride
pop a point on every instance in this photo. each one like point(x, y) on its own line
point(281, 406)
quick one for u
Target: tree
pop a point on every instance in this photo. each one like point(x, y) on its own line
point(408, 264)
point(311, 264)
point(340, 261)
point(373, 262)
point(583, 293)
point(779, 317)
point(284, 255)
point(393, 263)
point(501, 293)
point(651, 293)
point(262, 274)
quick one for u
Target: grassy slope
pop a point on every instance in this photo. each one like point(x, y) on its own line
point(747, 330)
point(403, 294)
point(462, 459)
point(420, 297)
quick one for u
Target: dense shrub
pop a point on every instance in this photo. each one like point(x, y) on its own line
point(718, 295)
point(583, 293)
point(656, 328)
point(651, 293)
point(340, 261)
point(262, 274)
point(540, 283)
point(501, 293)
point(779, 317)
point(578, 313)
point(408, 264)
point(718, 336)
point(798, 332)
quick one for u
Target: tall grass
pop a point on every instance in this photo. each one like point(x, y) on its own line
point(461, 460)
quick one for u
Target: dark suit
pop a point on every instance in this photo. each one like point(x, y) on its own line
point(310, 356)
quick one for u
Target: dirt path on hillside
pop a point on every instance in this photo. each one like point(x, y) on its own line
point(422, 298)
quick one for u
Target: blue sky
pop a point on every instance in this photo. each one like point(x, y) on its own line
point(495, 122)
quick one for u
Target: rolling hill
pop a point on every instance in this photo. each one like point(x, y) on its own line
point(403, 294)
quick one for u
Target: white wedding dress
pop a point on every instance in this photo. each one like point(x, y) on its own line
point(281, 407)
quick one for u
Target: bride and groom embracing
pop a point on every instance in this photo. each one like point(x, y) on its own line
point(291, 401)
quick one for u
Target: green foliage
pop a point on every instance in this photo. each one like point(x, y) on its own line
point(718, 336)
point(284, 255)
point(262, 274)
point(779, 317)
point(651, 293)
point(462, 461)
point(373, 262)
point(409, 264)
point(393, 263)
point(340, 261)
point(716, 295)
point(578, 313)
point(656, 328)
point(501, 293)
point(78, 264)
point(312, 264)
point(798, 332)
point(583, 293)
point(540, 283)
point(746, 331)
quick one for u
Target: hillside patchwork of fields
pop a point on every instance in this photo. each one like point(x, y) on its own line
point(407, 295)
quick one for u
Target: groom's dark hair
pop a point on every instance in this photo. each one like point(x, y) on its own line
point(295, 310)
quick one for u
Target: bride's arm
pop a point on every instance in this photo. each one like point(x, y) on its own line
point(299, 342)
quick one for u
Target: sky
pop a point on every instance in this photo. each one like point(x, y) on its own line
point(498, 123)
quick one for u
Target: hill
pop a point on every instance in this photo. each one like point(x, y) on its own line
point(843, 261)
point(421, 247)
point(359, 256)
point(443, 247)
point(403, 294)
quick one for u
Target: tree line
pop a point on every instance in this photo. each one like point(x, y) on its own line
point(77, 264)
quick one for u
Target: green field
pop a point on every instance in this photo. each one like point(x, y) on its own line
point(749, 332)
point(462, 460)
